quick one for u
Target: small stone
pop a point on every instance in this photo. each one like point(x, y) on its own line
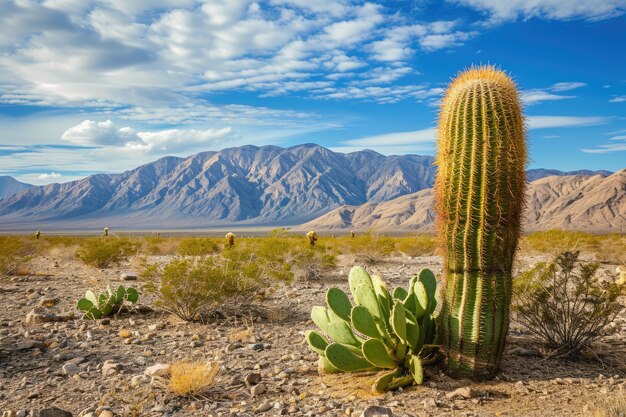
point(253, 378)
point(521, 388)
point(159, 369)
point(48, 302)
point(429, 403)
point(40, 315)
point(264, 406)
point(258, 390)
point(110, 368)
point(233, 346)
point(128, 276)
point(256, 346)
point(70, 369)
point(463, 393)
point(53, 412)
point(377, 411)
point(106, 413)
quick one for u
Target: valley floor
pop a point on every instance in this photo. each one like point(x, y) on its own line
point(88, 367)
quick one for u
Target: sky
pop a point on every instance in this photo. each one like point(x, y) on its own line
point(91, 86)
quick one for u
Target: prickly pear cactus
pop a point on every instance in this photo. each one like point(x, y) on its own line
point(382, 331)
point(108, 303)
point(479, 194)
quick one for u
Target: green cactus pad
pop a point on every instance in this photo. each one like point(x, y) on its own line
point(376, 353)
point(325, 366)
point(412, 330)
point(366, 297)
point(132, 295)
point(427, 277)
point(91, 297)
point(415, 367)
point(400, 294)
point(319, 315)
point(363, 322)
point(358, 276)
point(339, 303)
point(344, 359)
point(340, 332)
point(382, 384)
point(93, 314)
point(120, 294)
point(400, 382)
point(84, 304)
point(316, 341)
point(421, 298)
point(398, 320)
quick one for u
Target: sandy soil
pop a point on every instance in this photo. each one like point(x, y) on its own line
point(86, 367)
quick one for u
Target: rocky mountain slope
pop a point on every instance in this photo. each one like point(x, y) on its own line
point(10, 186)
point(256, 185)
point(594, 203)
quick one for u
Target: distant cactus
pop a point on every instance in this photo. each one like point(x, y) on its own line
point(393, 331)
point(230, 239)
point(479, 194)
point(106, 232)
point(37, 234)
point(352, 234)
point(107, 303)
point(312, 236)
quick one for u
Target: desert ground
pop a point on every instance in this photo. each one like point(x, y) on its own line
point(50, 356)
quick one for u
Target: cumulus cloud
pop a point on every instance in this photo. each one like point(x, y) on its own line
point(500, 11)
point(106, 134)
point(618, 99)
point(50, 176)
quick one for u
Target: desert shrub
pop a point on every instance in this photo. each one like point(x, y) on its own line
point(188, 379)
point(14, 254)
point(564, 304)
point(156, 245)
point(603, 248)
point(197, 246)
point(311, 262)
point(103, 252)
point(420, 245)
point(189, 287)
point(371, 248)
point(614, 406)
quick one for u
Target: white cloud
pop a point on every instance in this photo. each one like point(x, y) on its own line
point(500, 10)
point(50, 176)
point(617, 147)
point(547, 122)
point(536, 96)
point(618, 99)
point(396, 138)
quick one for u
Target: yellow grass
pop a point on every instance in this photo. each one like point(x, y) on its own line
point(239, 335)
point(613, 407)
point(192, 378)
point(125, 334)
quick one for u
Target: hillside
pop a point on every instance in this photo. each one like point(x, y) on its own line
point(10, 186)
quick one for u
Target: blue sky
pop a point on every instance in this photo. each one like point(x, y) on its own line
point(91, 86)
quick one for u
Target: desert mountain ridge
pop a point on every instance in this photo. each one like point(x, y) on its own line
point(10, 186)
point(246, 186)
point(592, 203)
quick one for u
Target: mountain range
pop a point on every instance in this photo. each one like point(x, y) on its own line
point(10, 186)
point(592, 203)
point(249, 186)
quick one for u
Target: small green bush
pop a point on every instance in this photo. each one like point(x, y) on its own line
point(371, 248)
point(197, 246)
point(14, 253)
point(420, 245)
point(107, 303)
point(103, 252)
point(565, 305)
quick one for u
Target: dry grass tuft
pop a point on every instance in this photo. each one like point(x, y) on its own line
point(613, 407)
point(125, 333)
point(239, 335)
point(189, 379)
point(344, 385)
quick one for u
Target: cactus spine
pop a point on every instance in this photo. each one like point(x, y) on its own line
point(479, 194)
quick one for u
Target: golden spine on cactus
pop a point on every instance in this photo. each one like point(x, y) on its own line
point(479, 197)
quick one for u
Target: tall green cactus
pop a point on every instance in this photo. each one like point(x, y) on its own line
point(479, 194)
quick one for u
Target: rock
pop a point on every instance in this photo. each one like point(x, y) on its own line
point(377, 411)
point(70, 369)
point(519, 351)
point(128, 276)
point(264, 406)
point(29, 344)
point(110, 368)
point(106, 413)
point(258, 390)
point(430, 403)
point(253, 378)
point(521, 388)
point(233, 346)
point(256, 346)
point(39, 315)
point(48, 302)
point(53, 412)
point(464, 393)
point(160, 369)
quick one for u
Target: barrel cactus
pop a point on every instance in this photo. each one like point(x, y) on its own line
point(312, 236)
point(105, 233)
point(479, 194)
point(37, 234)
point(382, 331)
point(230, 239)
